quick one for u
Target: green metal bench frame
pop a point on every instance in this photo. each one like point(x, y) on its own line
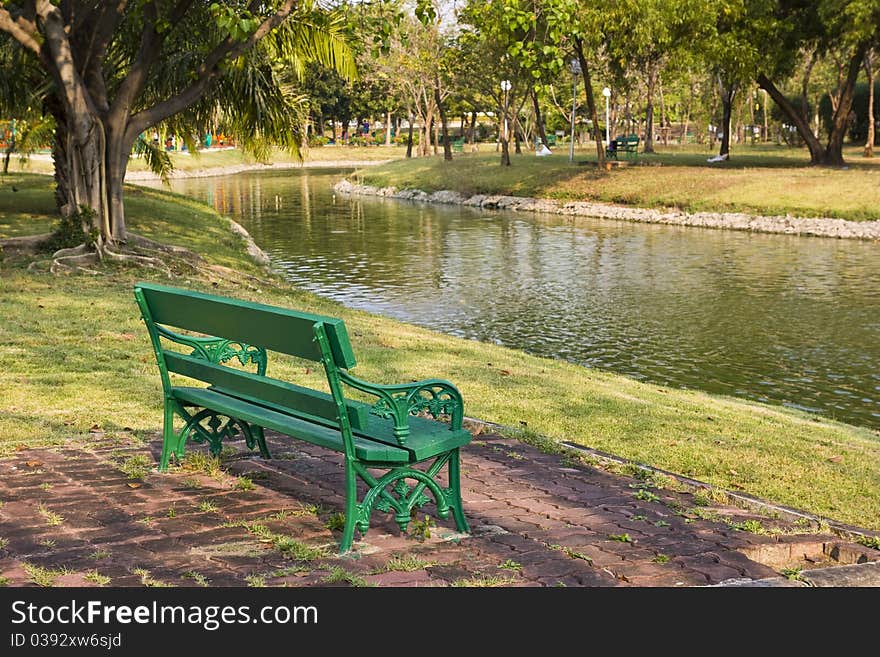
point(391, 435)
point(626, 144)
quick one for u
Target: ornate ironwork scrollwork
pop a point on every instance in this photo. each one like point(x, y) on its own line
point(219, 350)
point(435, 400)
point(402, 498)
point(208, 426)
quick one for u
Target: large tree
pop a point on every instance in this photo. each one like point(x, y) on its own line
point(118, 69)
point(817, 28)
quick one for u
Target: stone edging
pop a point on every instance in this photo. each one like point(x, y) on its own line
point(256, 253)
point(813, 226)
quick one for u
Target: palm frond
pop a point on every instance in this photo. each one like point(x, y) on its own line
point(156, 158)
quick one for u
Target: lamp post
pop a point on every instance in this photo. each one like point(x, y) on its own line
point(607, 93)
point(505, 87)
point(575, 67)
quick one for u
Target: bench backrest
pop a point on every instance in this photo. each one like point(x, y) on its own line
point(252, 328)
point(270, 327)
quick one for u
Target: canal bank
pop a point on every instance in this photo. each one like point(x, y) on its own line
point(773, 318)
point(786, 225)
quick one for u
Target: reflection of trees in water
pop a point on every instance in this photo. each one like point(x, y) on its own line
point(773, 317)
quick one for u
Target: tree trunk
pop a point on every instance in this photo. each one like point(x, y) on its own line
point(591, 103)
point(649, 109)
point(728, 91)
point(425, 138)
point(539, 121)
point(817, 150)
point(664, 131)
point(504, 137)
point(869, 70)
point(473, 130)
point(409, 139)
point(840, 122)
point(388, 128)
point(517, 131)
point(447, 147)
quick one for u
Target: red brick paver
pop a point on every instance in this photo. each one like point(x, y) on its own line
point(71, 517)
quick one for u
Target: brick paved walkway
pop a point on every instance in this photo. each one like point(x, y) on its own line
point(71, 517)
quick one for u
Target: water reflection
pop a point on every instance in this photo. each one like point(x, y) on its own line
point(775, 318)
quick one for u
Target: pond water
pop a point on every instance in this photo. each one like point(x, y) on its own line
point(780, 319)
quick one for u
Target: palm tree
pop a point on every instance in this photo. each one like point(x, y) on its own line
point(171, 67)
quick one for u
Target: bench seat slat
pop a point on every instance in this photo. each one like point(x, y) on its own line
point(427, 438)
point(266, 391)
point(366, 450)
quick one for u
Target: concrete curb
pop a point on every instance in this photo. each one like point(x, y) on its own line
point(858, 575)
point(750, 502)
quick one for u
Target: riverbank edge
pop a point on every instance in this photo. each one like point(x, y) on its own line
point(619, 384)
point(178, 174)
point(560, 445)
point(785, 225)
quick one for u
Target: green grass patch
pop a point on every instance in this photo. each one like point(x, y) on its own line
point(763, 179)
point(76, 354)
point(286, 545)
point(95, 577)
point(148, 580)
point(52, 519)
point(43, 576)
point(136, 467)
point(405, 564)
point(484, 581)
point(338, 575)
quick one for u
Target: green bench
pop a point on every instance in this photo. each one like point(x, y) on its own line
point(403, 428)
point(626, 144)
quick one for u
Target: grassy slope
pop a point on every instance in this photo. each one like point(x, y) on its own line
point(75, 354)
point(760, 180)
point(231, 157)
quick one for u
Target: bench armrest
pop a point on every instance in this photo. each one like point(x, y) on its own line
point(218, 350)
point(398, 401)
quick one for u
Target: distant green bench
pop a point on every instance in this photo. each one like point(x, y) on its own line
point(626, 144)
point(387, 435)
point(458, 146)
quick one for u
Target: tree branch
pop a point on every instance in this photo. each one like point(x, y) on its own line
point(17, 31)
point(148, 52)
point(205, 74)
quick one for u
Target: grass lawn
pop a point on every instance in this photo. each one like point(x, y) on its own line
point(211, 159)
point(76, 355)
point(764, 179)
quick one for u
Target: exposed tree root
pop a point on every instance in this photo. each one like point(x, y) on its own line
point(82, 249)
point(141, 242)
point(138, 251)
point(70, 263)
point(26, 244)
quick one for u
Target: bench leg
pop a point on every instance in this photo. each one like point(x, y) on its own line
point(351, 507)
point(455, 493)
point(169, 438)
point(260, 437)
point(391, 494)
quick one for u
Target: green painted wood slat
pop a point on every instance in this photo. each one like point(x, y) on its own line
point(318, 434)
point(277, 329)
point(288, 397)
